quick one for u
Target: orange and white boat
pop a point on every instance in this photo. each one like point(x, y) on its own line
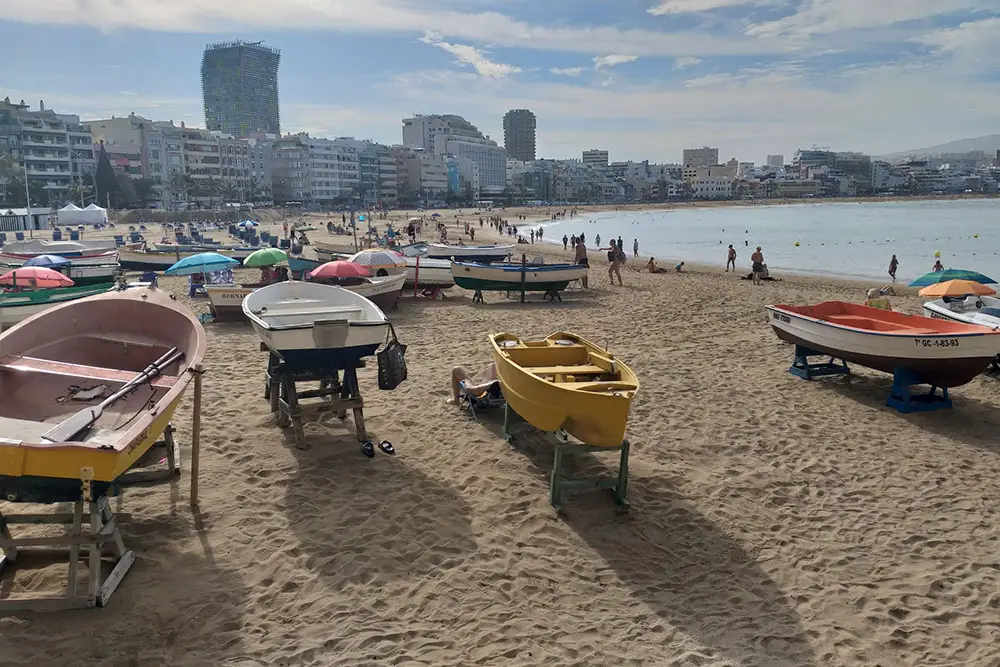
point(944, 354)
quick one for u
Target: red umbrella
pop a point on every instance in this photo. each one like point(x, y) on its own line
point(35, 276)
point(340, 269)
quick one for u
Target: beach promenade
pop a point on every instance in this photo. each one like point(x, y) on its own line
point(774, 522)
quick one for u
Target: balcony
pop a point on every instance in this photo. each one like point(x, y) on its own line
point(38, 141)
point(33, 171)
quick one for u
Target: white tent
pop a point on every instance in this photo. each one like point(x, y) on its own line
point(74, 215)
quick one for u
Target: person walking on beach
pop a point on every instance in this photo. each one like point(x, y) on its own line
point(893, 265)
point(731, 260)
point(635, 247)
point(615, 268)
point(757, 258)
point(580, 258)
point(565, 241)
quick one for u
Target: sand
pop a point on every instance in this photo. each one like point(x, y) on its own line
point(774, 521)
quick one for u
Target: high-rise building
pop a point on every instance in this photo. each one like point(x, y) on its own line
point(700, 157)
point(595, 158)
point(239, 83)
point(519, 135)
point(453, 135)
point(775, 160)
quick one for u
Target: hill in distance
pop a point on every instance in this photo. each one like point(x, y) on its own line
point(988, 144)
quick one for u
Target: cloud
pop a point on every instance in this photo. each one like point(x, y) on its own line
point(819, 17)
point(692, 6)
point(567, 71)
point(685, 62)
point(470, 55)
point(373, 17)
point(973, 42)
point(613, 60)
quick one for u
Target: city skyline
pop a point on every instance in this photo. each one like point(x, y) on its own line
point(642, 78)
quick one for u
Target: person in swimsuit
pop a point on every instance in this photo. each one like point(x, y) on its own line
point(893, 265)
point(731, 261)
point(580, 257)
point(757, 259)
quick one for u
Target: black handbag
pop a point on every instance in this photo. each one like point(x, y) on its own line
point(391, 362)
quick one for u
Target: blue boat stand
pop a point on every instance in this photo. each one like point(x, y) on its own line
point(902, 397)
point(334, 394)
point(563, 446)
point(802, 368)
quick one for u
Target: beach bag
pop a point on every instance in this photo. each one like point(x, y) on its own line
point(391, 362)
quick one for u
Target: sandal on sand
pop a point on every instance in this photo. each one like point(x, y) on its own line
point(387, 447)
point(368, 449)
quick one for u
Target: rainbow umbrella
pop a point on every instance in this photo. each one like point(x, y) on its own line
point(35, 276)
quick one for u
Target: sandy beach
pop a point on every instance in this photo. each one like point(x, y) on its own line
point(775, 522)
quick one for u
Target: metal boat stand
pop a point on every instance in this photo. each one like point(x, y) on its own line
point(334, 394)
point(84, 540)
point(559, 484)
point(802, 367)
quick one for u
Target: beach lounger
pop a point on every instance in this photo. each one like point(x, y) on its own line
point(493, 398)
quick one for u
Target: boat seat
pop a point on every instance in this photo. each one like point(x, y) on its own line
point(14, 362)
point(330, 310)
point(567, 370)
point(125, 340)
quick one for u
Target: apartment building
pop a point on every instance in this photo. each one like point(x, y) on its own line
point(55, 149)
point(519, 134)
point(453, 135)
point(422, 175)
point(595, 158)
point(700, 157)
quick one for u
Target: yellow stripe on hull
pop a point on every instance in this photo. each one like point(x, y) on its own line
point(560, 395)
point(67, 461)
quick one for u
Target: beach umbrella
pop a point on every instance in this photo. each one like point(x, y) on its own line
point(956, 288)
point(340, 269)
point(435, 215)
point(378, 259)
point(35, 276)
point(204, 262)
point(414, 220)
point(265, 257)
point(248, 223)
point(47, 260)
point(951, 274)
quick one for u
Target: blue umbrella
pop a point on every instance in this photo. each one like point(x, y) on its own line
point(47, 260)
point(935, 277)
point(248, 223)
point(205, 262)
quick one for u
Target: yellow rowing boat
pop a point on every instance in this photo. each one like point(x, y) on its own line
point(566, 382)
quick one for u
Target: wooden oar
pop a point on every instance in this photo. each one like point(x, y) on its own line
point(66, 430)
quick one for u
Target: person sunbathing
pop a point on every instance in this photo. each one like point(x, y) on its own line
point(653, 268)
point(473, 385)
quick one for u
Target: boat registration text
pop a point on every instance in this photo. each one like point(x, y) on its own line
point(936, 342)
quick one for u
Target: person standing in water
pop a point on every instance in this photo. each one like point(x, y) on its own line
point(565, 241)
point(635, 247)
point(731, 260)
point(893, 265)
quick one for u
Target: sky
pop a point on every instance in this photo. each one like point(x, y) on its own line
point(641, 78)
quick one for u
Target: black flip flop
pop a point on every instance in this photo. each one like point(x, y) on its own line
point(368, 449)
point(387, 447)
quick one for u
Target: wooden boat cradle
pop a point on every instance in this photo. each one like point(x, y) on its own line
point(564, 446)
point(292, 405)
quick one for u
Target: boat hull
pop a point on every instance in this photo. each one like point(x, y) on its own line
point(482, 254)
point(508, 277)
point(287, 317)
point(106, 339)
point(429, 273)
point(137, 260)
point(595, 413)
point(101, 258)
point(226, 301)
point(943, 359)
point(12, 310)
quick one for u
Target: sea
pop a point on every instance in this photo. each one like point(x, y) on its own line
point(854, 240)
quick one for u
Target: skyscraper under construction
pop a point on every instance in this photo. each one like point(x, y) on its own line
point(239, 82)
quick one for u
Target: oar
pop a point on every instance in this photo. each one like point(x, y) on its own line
point(68, 429)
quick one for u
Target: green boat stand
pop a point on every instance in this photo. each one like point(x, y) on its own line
point(563, 446)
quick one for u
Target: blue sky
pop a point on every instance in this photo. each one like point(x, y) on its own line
point(641, 78)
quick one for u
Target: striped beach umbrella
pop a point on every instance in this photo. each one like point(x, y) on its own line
point(951, 274)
